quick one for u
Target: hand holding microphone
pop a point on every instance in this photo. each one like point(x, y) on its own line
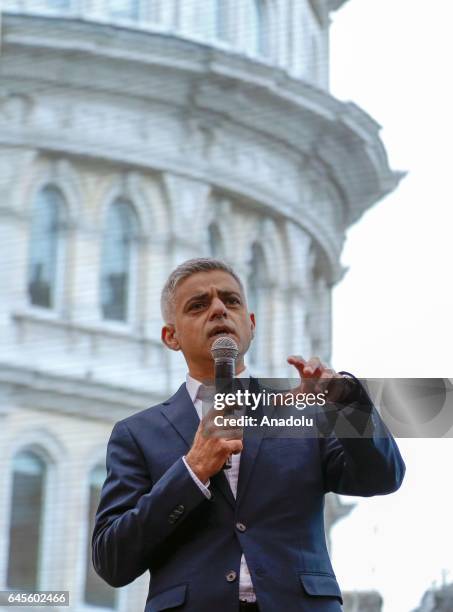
point(213, 446)
point(224, 351)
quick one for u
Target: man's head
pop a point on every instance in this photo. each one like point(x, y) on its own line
point(202, 300)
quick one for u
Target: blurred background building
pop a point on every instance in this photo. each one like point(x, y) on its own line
point(437, 599)
point(135, 134)
point(359, 601)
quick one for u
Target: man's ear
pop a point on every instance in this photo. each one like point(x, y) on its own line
point(169, 338)
point(252, 323)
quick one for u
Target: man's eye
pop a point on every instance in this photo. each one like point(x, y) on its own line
point(234, 300)
point(196, 305)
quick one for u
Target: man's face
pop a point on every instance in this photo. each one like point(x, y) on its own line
point(208, 305)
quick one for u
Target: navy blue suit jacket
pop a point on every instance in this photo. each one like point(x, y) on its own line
point(152, 516)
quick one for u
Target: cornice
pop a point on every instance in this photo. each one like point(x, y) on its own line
point(83, 398)
point(203, 84)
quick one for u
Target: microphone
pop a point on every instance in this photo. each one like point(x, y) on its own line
point(224, 351)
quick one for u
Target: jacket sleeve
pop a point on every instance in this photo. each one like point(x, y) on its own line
point(135, 515)
point(359, 455)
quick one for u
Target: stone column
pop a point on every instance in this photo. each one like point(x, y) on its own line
point(84, 302)
point(282, 46)
point(282, 331)
point(299, 242)
point(298, 58)
point(321, 319)
point(186, 17)
point(14, 242)
point(166, 13)
point(187, 199)
point(14, 230)
point(241, 34)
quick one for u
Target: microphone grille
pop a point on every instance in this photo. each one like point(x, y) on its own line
point(224, 347)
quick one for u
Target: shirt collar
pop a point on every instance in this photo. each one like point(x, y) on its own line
point(192, 384)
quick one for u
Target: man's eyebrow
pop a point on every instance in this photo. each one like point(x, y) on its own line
point(205, 295)
point(197, 296)
point(228, 292)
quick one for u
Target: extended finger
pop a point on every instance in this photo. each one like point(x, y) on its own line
point(313, 366)
point(298, 361)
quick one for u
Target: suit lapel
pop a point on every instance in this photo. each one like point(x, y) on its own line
point(181, 413)
point(248, 456)
point(252, 442)
point(220, 482)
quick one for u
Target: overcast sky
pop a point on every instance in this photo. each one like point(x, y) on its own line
point(393, 310)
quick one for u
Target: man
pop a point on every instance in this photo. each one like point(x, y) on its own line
point(249, 538)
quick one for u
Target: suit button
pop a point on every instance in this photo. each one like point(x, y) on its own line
point(231, 576)
point(172, 518)
point(180, 508)
point(241, 527)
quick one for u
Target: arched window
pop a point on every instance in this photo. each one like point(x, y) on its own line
point(124, 9)
point(118, 259)
point(215, 242)
point(256, 288)
point(45, 251)
point(257, 23)
point(25, 532)
point(97, 592)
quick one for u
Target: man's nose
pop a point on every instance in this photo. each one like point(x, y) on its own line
point(218, 309)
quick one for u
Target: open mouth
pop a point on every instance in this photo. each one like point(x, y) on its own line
point(220, 331)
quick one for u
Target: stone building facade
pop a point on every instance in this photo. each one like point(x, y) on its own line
point(135, 134)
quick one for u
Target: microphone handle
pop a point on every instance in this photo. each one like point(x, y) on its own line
point(228, 464)
point(224, 375)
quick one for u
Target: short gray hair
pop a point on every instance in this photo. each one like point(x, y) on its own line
point(183, 271)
